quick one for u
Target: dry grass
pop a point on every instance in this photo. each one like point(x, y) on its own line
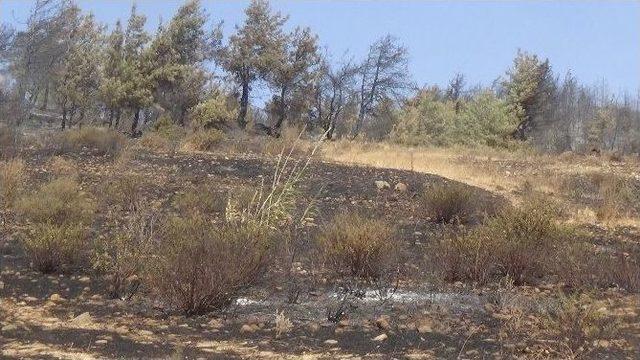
point(449, 202)
point(61, 201)
point(51, 247)
point(514, 174)
point(99, 140)
point(204, 140)
point(9, 142)
point(12, 181)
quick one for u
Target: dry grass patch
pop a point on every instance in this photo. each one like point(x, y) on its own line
point(204, 140)
point(12, 181)
point(449, 202)
point(9, 142)
point(101, 141)
point(51, 247)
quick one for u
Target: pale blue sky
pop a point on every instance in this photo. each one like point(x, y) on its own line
point(596, 40)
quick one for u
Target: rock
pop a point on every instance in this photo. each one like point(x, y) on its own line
point(82, 319)
point(382, 185)
point(145, 332)
point(121, 330)
point(382, 322)
point(1, 285)
point(246, 328)
point(401, 187)
point(424, 327)
point(215, 323)
point(56, 298)
point(381, 337)
point(84, 279)
point(331, 342)
point(101, 342)
point(8, 328)
point(30, 299)
point(343, 323)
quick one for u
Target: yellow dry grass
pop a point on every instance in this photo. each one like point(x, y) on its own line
point(514, 174)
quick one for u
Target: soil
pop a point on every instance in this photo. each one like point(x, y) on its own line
point(425, 318)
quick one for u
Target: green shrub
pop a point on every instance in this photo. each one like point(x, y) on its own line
point(213, 113)
point(365, 248)
point(60, 201)
point(102, 141)
point(123, 257)
point(52, 246)
point(12, 178)
point(206, 140)
point(199, 266)
point(449, 202)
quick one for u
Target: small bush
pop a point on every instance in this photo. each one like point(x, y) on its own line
point(580, 321)
point(522, 243)
point(9, 142)
point(358, 246)
point(123, 190)
point(51, 246)
point(123, 257)
point(102, 141)
point(206, 140)
point(199, 266)
point(155, 142)
point(200, 200)
point(214, 113)
point(449, 202)
point(12, 178)
point(60, 201)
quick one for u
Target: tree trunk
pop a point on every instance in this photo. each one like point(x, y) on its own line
point(244, 105)
point(134, 125)
point(282, 109)
point(118, 114)
point(110, 118)
point(64, 119)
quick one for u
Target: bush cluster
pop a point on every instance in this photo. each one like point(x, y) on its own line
point(523, 243)
point(12, 178)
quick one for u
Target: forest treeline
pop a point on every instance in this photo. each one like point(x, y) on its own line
point(66, 67)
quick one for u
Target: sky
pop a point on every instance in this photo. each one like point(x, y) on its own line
point(598, 41)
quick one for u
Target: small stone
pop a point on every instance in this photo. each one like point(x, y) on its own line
point(215, 323)
point(84, 279)
point(121, 330)
point(10, 327)
point(246, 328)
point(382, 185)
point(82, 319)
point(400, 187)
point(1, 285)
point(331, 342)
point(424, 327)
point(56, 297)
point(30, 299)
point(101, 342)
point(145, 333)
point(343, 323)
point(383, 322)
point(381, 337)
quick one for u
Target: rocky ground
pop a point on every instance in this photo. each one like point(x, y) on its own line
point(292, 314)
